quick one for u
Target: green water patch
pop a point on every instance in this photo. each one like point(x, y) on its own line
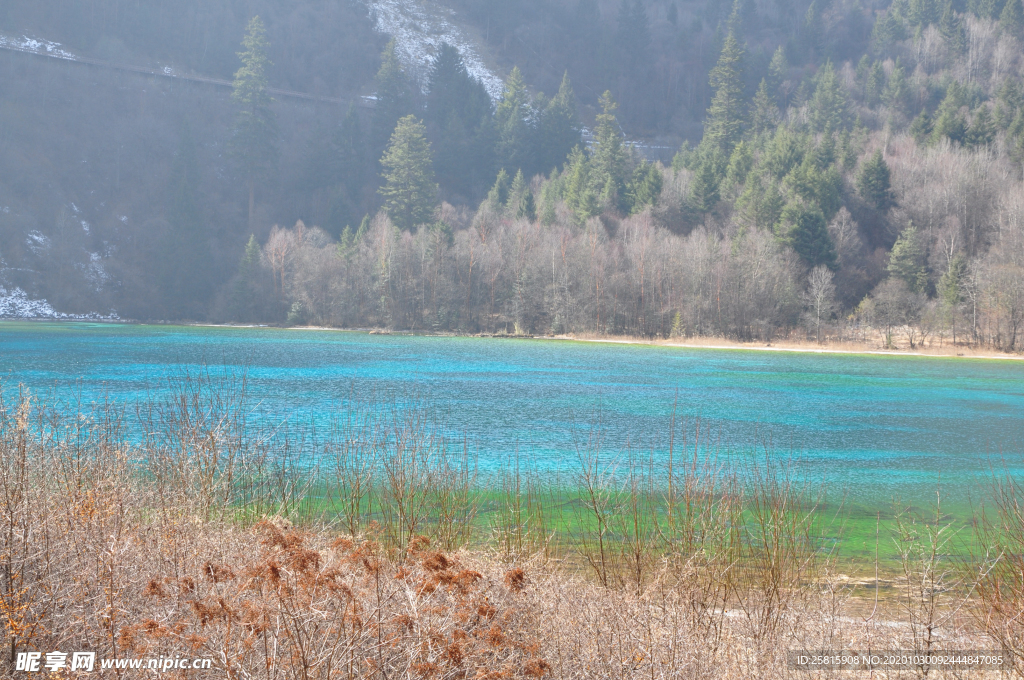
point(571, 521)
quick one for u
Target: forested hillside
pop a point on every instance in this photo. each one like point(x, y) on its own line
point(845, 170)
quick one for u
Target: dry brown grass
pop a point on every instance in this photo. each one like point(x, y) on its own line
point(104, 549)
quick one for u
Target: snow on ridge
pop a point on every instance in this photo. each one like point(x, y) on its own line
point(419, 29)
point(16, 304)
point(27, 44)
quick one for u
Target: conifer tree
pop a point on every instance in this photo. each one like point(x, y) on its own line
point(704, 188)
point(951, 290)
point(725, 115)
point(896, 90)
point(873, 183)
point(827, 107)
point(394, 96)
point(577, 192)
point(921, 128)
point(559, 131)
point(608, 164)
point(874, 84)
point(778, 70)
point(347, 169)
point(1011, 19)
point(764, 112)
point(951, 28)
point(808, 235)
point(253, 143)
point(409, 190)
point(982, 131)
point(949, 121)
point(246, 286)
point(497, 197)
point(520, 199)
point(459, 123)
point(511, 122)
point(907, 260)
point(761, 203)
point(644, 188)
point(740, 164)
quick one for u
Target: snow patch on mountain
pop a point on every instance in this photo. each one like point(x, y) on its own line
point(419, 28)
point(16, 304)
point(27, 44)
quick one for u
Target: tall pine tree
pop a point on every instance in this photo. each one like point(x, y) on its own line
point(409, 190)
point(724, 120)
point(394, 93)
point(459, 123)
point(512, 122)
point(608, 162)
point(253, 143)
point(559, 129)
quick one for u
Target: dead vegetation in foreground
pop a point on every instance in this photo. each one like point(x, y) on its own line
point(104, 550)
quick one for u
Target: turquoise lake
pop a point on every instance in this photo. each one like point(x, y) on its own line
point(869, 426)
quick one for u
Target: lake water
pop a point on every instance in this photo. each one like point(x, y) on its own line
point(874, 426)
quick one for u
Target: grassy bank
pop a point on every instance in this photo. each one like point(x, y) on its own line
point(376, 549)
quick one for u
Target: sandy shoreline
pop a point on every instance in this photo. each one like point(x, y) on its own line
point(933, 353)
point(710, 343)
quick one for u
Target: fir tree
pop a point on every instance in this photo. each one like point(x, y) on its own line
point(1009, 100)
point(1011, 20)
point(922, 13)
point(782, 153)
point(704, 188)
point(497, 197)
point(245, 291)
point(559, 127)
point(808, 235)
point(761, 203)
point(644, 187)
point(889, 29)
point(951, 290)
point(896, 90)
point(459, 123)
point(764, 113)
point(827, 107)
point(725, 115)
point(512, 124)
point(253, 143)
point(921, 128)
point(874, 84)
point(520, 200)
point(949, 121)
point(873, 183)
point(982, 131)
point(579, 197)
point(394, 96)
point(907, 260)
point(740, 163)
point(778, 70)
point(608, 163)
point(409, 191)
point(951, 28)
